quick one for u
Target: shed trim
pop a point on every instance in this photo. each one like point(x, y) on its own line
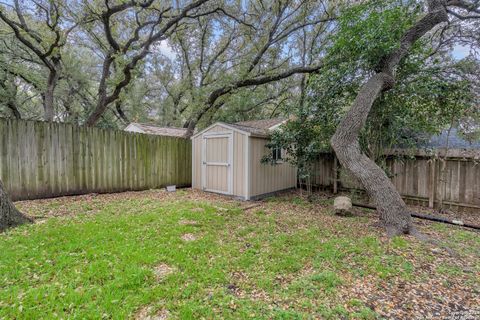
point(247, 168)
point(227, 126)
point(194, 173)
point(231, 167)
point(219, 134)
point(277, 125)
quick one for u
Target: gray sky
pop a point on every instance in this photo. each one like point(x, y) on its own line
point(460, 52)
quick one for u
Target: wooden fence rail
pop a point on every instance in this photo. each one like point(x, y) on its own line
point(417, 176)
point(40, 160)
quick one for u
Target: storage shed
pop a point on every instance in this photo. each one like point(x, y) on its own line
point(226, 159)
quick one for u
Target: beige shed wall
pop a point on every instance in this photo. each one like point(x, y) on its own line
point(265, 178)
point(239, 160)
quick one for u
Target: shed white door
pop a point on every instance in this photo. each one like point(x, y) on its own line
point(217, 163)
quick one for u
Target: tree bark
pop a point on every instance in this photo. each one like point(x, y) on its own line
point(121, 113)
point(9, 215)
point(48, 97)
point(11, 105)
point(7, 83)
point(394, 214)
point(101, 105)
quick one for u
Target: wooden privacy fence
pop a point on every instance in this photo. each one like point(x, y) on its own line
point(417, 176)
point(40, 160)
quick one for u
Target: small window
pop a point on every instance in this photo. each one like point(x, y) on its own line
point(277, 154)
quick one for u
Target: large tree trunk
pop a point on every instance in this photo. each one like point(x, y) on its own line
point(121, 113)
point(190, 126)
point(102, 100)
point(393, 212)
point(7, 83)
point(9, 215)
point(12, 106)
point(48, 97)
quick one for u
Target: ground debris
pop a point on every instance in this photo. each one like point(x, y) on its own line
point(162, 270)
point(189, 237)
point(438, 286)
point(186, 222)
point(146, 313)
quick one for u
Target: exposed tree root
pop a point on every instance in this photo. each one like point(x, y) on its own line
point(425, 238)
point(393, 231)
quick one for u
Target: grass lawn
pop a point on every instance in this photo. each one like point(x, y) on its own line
point(188, 255)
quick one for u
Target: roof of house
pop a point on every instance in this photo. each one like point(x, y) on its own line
point(261, 124)
point(161, 131)
point(255, 131)
point(455, 141)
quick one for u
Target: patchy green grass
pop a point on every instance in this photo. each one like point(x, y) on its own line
point(285, 260)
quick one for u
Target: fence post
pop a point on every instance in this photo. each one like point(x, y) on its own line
point(335, 174)
point(431, 187)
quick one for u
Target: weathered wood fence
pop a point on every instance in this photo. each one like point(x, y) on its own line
point(40, 160)
point(417, 176)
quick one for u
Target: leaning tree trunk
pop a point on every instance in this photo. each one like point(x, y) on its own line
point(48, 97)
point(9, 215)
point(394, 214)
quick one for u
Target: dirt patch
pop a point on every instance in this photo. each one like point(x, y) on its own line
point(233, 289)
point(162, 270)
point(198, 210)
point(186, 222)
point(189, 237)
point(241, 287)
point(260, 295)
point(221, 209)
point(145, 313)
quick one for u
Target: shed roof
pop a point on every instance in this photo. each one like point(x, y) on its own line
point(161, 131)
point(262, 124)
point(257, 128)
point(255, 131)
